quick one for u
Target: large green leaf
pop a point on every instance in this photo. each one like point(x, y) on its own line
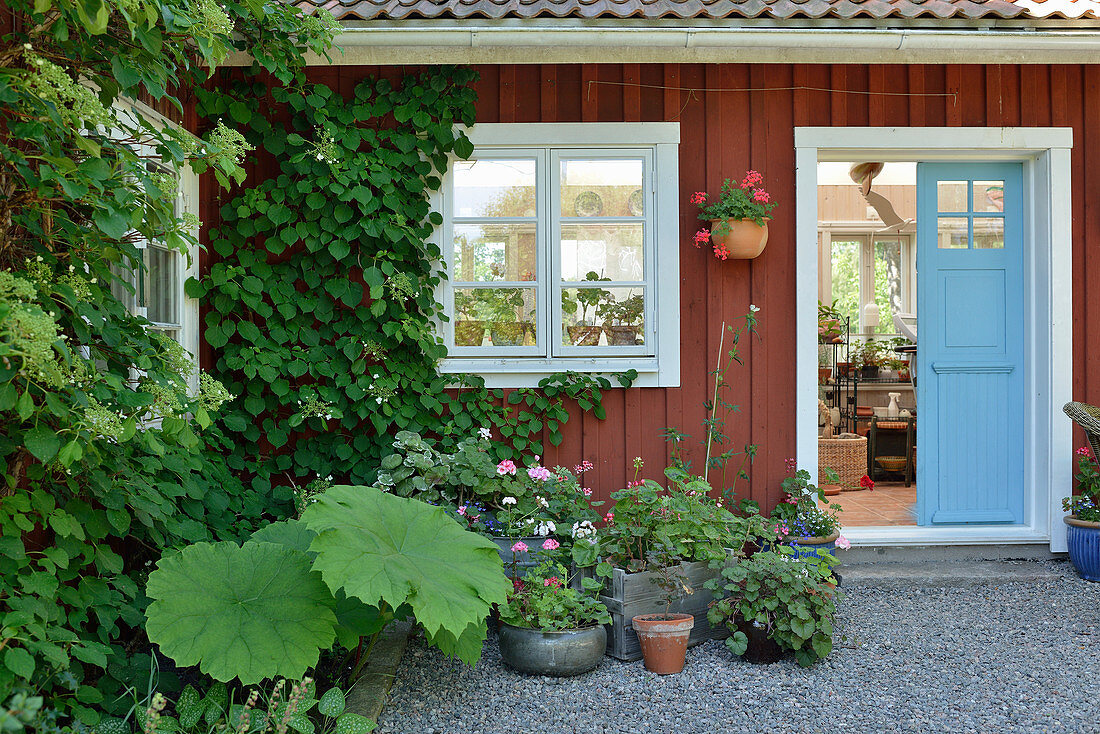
point(382, 548)
point(250, 612)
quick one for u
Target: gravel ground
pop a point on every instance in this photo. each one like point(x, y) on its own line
point(1007, 657)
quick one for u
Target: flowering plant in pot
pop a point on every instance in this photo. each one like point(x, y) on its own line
point(738, 219)
point(549, 628)
point(830, 323)
point(776, 601)
point(537, 502)
point(1083, 522)
point(804, 519)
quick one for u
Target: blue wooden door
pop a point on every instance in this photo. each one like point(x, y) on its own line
point(970, 351)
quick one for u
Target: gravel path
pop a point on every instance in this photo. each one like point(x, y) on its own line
point(1008, 657)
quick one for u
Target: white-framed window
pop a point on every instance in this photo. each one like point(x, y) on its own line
point(155, 291)
point(562, 247)
point(860, 268)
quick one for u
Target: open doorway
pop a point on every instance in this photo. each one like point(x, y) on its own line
point(867, 292)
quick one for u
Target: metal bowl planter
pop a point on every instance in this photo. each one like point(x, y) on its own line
point(548, 652)
point(743, 239)
point(761, 650)
point(1083, 539)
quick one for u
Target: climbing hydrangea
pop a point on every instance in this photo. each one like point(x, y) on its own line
point(76, 103)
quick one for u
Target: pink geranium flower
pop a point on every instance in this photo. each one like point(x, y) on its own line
point(462, 510)
point(506, 467)
point(587, 491)
point(539, 473)
point(761, 196)
point(1083, 451)
point(843, 543)
point(699, 197)
point(550, 544)
point(519, 547)
point(609, 517)
point(701, 237)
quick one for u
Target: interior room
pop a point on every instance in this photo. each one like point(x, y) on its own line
point(867, 340)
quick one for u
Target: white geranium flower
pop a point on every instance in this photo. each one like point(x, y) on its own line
point(486, 434)
point(508, 501)
point(753, 307)
point(542, 501)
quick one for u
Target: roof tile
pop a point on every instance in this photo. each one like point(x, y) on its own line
point(775, 9)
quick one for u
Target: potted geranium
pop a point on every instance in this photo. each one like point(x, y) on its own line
point(622, 319)
point(738, 220)
point(830, 323)
point(1083, 522)
point(549, 628)
point(805, 519)
point(776, 601)
point(651, 528)
point(535, 503)
point(585, 332)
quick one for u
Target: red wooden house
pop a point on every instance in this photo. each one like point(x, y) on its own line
point(596, 121)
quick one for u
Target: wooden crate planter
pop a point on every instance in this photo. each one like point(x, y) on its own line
point(631, 594)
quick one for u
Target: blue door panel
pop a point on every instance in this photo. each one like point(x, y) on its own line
point(970, 428)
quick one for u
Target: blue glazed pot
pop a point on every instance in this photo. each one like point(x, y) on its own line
point(806, 547)
point(1083, 539)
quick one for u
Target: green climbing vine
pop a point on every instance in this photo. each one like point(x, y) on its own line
point(322, 308)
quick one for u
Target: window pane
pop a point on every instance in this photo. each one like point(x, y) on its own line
point(953, 233)
point(124, 285)
point(952, 196)
point(487, 252)
point(162, 285)
point(503, 317)
point(888, 264)
point(603, 317)
point(495, 188)
point(989, 196)
point(606, 187)
point(845, 292)
point(989, 233)
point(612, 251)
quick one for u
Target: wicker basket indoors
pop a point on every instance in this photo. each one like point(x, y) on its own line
point(846, 456)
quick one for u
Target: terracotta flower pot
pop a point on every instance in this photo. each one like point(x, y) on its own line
point(831, 490)
point(508, 333)
point(823, 374)
point(664, 639)
point(621, 336)
point(744, 240)
point(584, 336)
point(469, 333)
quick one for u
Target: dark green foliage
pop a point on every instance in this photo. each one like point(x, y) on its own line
point(323, 297)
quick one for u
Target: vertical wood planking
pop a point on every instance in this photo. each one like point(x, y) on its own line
point(722, 135)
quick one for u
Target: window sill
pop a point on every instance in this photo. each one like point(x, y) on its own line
point(526, 372)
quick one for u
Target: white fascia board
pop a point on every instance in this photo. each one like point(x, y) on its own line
point(949, 140)
point(588, 134)
point(699, 41)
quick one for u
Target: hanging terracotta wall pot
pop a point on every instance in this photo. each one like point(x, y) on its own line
point(744, 240)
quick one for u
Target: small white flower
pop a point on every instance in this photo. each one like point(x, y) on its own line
point(378, 400)
point(753, 307)
point(486, 434)
point(508, 501)
point(542, 501)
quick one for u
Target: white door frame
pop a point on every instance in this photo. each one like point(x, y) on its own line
point(1048, 326)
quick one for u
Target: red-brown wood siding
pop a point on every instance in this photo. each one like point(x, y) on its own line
point(725, 133)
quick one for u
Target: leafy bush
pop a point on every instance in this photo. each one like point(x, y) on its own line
point(793, 599)
point(92, 487)
point(680, 523)
point(543, 600)
point(273, 606)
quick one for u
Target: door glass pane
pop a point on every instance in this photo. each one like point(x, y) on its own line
point(613, 251)
point(486, 252)
point(162, 285)
point(495, 188)
point(603, 316)
point(951, 196)
point(953, 233)
point(888, 281)
point(989, 196)
point(989, 233)
point(504, 317)
point(845, 268)
point(606, 187)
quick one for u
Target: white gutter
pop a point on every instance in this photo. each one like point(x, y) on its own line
point(568, 41)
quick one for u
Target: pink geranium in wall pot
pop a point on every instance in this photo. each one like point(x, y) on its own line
point(738, 218)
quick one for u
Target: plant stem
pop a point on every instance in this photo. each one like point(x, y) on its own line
point(714, 402)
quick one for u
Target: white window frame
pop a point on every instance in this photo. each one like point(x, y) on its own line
point(188, 192)
point(658, 362)
point(867, 238)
